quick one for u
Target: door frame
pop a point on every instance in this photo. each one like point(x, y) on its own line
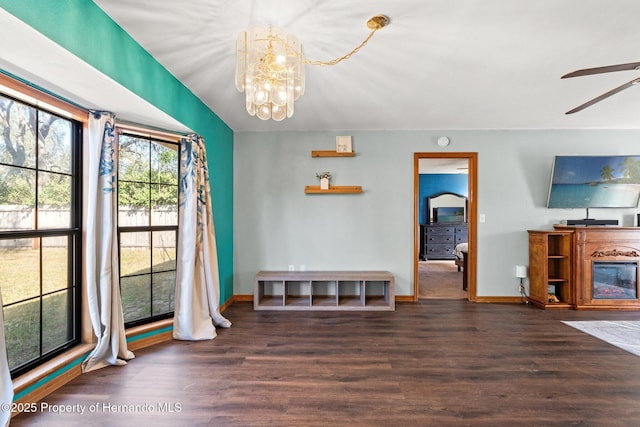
point(472, 158)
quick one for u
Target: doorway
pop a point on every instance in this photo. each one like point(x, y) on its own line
point(420, 220)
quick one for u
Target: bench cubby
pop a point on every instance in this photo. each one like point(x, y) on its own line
point(324, 290)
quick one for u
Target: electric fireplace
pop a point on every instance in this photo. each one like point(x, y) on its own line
point(615, 280)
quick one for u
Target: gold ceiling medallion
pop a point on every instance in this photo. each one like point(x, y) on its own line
point(270, 68)
point(377, 22)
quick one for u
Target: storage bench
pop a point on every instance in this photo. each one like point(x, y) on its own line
point(324, 290)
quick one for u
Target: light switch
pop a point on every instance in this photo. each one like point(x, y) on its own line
point(482, 218)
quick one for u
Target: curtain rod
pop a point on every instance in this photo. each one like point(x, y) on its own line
point(149, 130)
point(43, 90)
point(141, 128)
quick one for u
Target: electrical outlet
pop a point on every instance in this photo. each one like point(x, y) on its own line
point(302, 267)
point(292, 267)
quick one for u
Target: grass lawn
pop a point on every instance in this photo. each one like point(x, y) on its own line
point(20, 272)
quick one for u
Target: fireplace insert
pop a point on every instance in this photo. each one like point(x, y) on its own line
point(615, 280)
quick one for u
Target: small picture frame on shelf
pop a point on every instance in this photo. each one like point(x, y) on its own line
point(343, 144)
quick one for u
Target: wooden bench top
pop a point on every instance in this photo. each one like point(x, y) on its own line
point(324, 275)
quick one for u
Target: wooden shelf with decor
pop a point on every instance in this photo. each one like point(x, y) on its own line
point(550, 269)
point(334, 189)
point(329, 153)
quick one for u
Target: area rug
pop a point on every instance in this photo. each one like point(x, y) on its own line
point(622, 334)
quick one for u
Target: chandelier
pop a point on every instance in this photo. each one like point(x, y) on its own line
point(270, 68)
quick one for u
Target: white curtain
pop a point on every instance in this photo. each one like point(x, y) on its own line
point(101, 265)
point(197, 309)
point(6, 385)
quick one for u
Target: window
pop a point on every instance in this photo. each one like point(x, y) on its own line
point(147, 227)
point(40, 217)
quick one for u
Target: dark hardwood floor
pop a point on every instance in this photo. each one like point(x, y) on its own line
point(434, 363)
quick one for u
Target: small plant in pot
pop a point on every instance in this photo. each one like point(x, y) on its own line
point(324, 177)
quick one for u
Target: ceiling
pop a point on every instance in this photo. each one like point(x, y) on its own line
point(465, 64)
point(441, 65)
point(449, 165)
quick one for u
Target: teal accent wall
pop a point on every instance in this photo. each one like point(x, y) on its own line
point(82, 28)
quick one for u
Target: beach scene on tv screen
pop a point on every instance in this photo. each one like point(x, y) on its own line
point(595, 182)
point(450, 214)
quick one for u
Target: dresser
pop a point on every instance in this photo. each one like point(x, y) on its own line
point(440, 240)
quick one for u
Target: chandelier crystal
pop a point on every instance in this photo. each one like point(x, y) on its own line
point(270, 68)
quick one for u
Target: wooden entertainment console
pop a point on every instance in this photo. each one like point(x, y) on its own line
point(593, 267)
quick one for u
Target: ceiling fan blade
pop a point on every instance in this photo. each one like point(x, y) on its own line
point(604, 96)
point(606, 69)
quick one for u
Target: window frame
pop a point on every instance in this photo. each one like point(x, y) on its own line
point(42, 102)
point(163, 138)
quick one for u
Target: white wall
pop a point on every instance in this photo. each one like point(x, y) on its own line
point(277, 225)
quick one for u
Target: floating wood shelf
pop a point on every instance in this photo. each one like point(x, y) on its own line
point(334, 189)
point(329, 153)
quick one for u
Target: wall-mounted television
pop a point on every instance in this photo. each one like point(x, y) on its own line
point(448, 214)
point(594, 182)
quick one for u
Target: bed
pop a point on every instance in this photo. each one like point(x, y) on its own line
point(460, 253)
